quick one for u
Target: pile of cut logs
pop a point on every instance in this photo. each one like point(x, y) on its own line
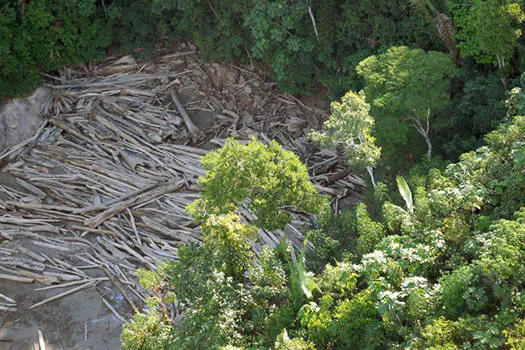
point(103, 185)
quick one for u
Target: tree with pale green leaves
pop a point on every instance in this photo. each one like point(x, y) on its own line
point(407, 87)
point(350, 127)
point(229, 239)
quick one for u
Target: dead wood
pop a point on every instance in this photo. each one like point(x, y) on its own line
point(105, 183)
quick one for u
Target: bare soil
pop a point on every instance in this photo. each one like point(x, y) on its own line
point(79, 321)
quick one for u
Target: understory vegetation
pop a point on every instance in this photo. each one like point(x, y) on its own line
point(427, 104)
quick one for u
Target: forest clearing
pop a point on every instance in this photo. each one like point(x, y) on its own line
point(102, 186)
point(262, 174)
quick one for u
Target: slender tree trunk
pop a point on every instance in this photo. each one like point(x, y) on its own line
point(501, 67)
point(423, 130)
point(429, 145)
point(371, 173)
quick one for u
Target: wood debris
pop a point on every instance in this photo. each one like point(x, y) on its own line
point(105, 181)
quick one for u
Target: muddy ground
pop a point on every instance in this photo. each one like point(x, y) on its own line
point(79, 321)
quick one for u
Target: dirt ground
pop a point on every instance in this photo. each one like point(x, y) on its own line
point(78, 321)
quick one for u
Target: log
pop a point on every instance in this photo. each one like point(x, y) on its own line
point(192, 128)
point(62, 276)
point(6, 298)
point(120, 288)
point(47, 280)
point(58, 296)
point(41, 342)
point(170, 186)
point(117, 315)
point(16, 278)
point(8, 309)
point(27, 252)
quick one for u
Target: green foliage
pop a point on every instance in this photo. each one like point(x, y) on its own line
point(141, 24)
point(267, 177)
point(214, 318)
point(151, 330)
point(269, 279)
point(405, 87)
point(229, 241)
point(281, 32)
point(476, 108)
point(357, 323)
point(440, 334)
point(45, 35)
point(350, 126)
point(301, 281)
point(325, 250)
point(405, 192)
point(334, 241)
point(369, 232)
point(147, 331)
point(492, 176)
point(444, 275)
point(516, 336)
point(489, 29)
point(216, 27)
point(459, 294)
point(284, 342)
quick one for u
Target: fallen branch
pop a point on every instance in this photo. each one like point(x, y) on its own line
point(117, 315)
point(6, 298)
point(120, 288)
point(169, 187)
point(192, 128)
point(58, 296)
point(8, 309)
point(41, 342)
point(16, 278)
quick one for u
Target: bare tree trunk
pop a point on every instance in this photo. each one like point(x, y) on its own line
point(423, 130)
point(313, 20)
point(429, 145)
point(501, 66)
point(371, 173)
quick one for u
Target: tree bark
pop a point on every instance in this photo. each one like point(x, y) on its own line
point(371, 173)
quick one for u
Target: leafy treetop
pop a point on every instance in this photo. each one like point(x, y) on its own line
point(489, 29)
point(406, 85)
point(266, 177)
point(350, 126)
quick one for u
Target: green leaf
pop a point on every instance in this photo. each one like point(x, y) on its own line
point(405, 192)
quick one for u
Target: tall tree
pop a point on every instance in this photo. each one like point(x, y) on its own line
point(408, 86)
point(265, 177)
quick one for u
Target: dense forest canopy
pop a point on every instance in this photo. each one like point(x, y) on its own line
point(427, 103)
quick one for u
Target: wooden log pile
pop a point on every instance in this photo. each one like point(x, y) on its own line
point(103, 185)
